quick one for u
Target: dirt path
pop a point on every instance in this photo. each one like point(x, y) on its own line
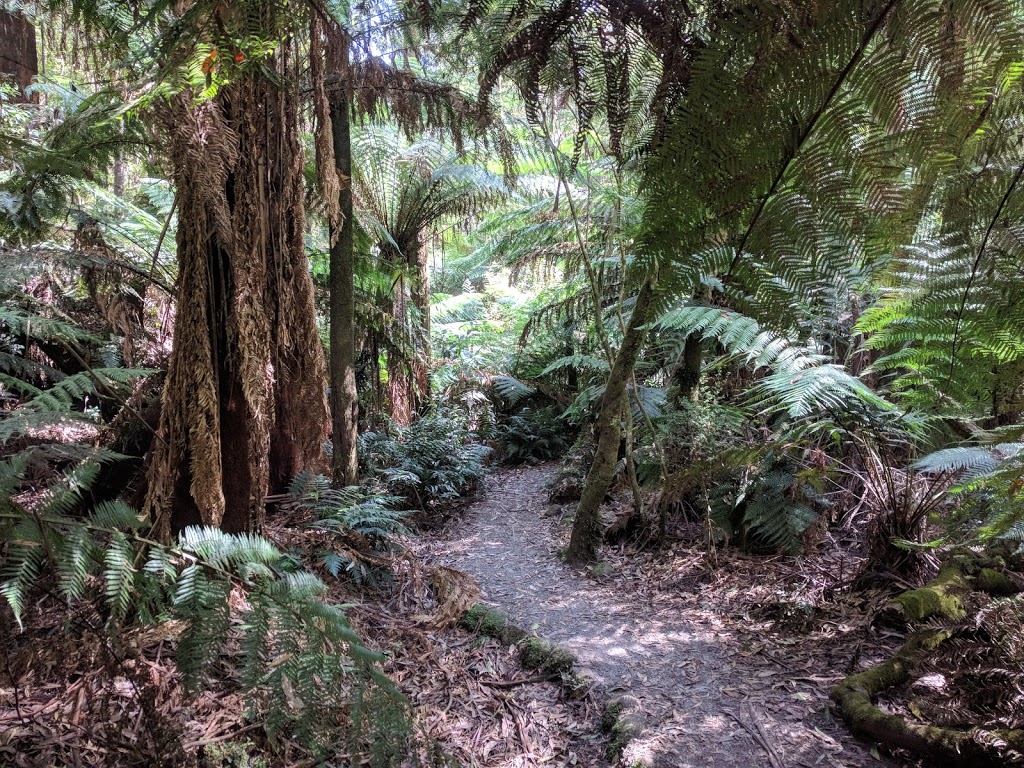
point(693, 689)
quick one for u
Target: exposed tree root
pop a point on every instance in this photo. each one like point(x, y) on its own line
point(943, 597)
point(962, 573)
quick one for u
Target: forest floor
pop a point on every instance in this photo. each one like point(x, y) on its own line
point(728, 658)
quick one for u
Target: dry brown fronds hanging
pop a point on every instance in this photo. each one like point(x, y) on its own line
point(328, 179)
point(244, 407)
point(186, 461)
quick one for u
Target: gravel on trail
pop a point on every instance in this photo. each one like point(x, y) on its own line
point(702, 704)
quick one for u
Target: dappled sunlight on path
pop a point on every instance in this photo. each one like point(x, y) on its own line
point(699, 699)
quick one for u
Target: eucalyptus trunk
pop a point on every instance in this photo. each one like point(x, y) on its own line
point(587, 529)
point(18, 54)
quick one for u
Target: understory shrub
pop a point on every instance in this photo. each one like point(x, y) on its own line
point(533, 434)
point(437, 458)
point(362, 521)
point(242, 615)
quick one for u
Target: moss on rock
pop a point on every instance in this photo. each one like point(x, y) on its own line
point(485, 620)
point(963, 572)
point(625, 728)
point(610, 716)
point(545, 657)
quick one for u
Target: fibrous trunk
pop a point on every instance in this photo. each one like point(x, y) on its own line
point(688, 373)
point(244, 405)
point(400, 383)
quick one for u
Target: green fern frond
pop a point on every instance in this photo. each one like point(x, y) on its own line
point(511, 389)
point(119, 575)
point(22, 567)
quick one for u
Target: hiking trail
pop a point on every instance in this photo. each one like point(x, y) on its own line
point(703, 703)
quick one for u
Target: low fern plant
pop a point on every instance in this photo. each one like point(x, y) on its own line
point(362, 520)
point(301, 663)
point(988, 485)
point(533, 434)
point(772, 506)
point(305, 671)
point(435, 459)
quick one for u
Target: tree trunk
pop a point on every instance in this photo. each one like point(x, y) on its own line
point(420, 295)
point(243, 406)
point(586, 529)
point(302, 415)
point(400, 347)
point(344, 396)
point(18, 58)
point(1007, 394)
point(688, 373)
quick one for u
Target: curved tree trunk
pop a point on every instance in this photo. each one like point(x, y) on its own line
point(586, 529)
point(243, 406)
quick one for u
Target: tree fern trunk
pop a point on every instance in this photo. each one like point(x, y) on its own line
point(586, 530)
point(302, 415)
point(420, 294)
point(400, 384)
point(243, 406)
point(688, 373)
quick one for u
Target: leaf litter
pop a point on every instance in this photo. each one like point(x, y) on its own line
point(730, 657)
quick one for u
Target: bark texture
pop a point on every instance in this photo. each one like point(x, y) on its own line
point(688, 373)
point(344, 396)
point(244, 406)
point(587, 528)
point(19, 59)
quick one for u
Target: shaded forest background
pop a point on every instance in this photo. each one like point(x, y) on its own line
point(281, 281)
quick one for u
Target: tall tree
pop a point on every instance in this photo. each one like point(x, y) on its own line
point(405, 189)
point(18, 58)
point(330, 69)
point(350, 80)
point(243, 405)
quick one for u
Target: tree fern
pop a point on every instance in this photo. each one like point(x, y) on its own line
point(988, 485)
point(88, 134)
point(800, 382)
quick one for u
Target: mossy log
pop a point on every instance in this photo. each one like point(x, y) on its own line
point(854, 697)
point(623, 720)
point(534, 652)
point(944, 596)
point(963, 572)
